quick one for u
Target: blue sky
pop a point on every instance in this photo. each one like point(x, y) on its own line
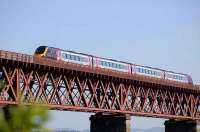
point(163, 34)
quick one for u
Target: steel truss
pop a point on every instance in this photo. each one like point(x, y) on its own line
point(74, 90)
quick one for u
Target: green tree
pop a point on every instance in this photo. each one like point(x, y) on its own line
point(2, 84)
point(22, 117)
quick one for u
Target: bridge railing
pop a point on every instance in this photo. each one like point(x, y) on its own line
point(197, 86)
point(16, 56)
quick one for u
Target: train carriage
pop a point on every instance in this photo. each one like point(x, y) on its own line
point(75, 58)
point(147, 71)
point(178, 77)
point(111, 64)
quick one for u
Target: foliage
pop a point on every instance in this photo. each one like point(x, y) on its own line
point(2, 84)
point(22, 117)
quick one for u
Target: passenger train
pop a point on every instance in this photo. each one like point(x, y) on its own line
point(98, 62)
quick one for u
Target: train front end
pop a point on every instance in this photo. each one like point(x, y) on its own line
point(41, 51)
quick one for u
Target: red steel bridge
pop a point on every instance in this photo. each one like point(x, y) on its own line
point(73, 87)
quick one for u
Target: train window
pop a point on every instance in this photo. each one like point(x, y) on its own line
point(74, 57)
point(118, 66)
point(140, 70)
point(158, 73)
point(114, 65)
point(78, 58)
point(63, 55)
point(148, 72)
point(68, 56)
point(182, 78)
point(71, 57)
point(122, 67)
point(102, 63)
point(154, 73)
point(109, 64)
point(106, 63)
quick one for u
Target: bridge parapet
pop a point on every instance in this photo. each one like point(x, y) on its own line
point(16, 56)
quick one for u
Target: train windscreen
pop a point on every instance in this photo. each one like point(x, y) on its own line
point(40, 50)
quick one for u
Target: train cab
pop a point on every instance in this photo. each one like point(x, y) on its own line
point(41, 51)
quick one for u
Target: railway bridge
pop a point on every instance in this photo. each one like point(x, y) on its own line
point(113, 96)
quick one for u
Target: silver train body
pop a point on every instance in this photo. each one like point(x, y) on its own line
point(109, 64)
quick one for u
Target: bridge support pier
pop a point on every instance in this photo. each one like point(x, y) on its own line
point(182, 126)
point(110, 123)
